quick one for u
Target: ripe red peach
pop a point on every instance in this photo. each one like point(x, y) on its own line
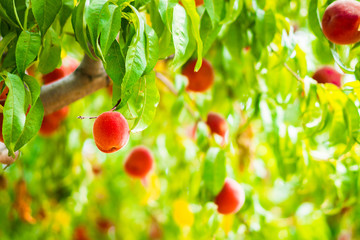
point(139, 162)
point(111, 132)
point(104, 225)
point(328, 75)
point(80, 233)
point(340, 22)
point(197, 3)
point(4, 93)
point(69, 65)
point(231, 198)
point(217, 125)
point(199, 81)
point(52, 122)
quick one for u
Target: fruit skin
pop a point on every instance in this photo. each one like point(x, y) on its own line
point(328, 75)
point(217, 124)
point(139, 162)
point(4, 93)
point(197, 3)
point(340, 22)
point(69, 65)
point(199, 81)
point(111, 132)
point(80, 233)
point(231, 198)
point(53, 121)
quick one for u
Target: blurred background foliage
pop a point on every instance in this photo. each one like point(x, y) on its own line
point(293, 144)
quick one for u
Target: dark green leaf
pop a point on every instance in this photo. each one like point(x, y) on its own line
point(214, 170)
point(14, 112)
point(79, 25)
point(27, 49)
point(50, 55)
point(45, 12)
point(195, 26)
point(147, 99)
point(109, 26)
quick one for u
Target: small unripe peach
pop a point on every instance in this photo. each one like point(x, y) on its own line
point(139, 162)
point(217, 124)
point(111, 131)
point(328, 75)
point(340, 23)
point(199, 81)
point(4, 155)
point(231, 198)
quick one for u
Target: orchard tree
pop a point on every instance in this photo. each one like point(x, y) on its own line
point(191, 119)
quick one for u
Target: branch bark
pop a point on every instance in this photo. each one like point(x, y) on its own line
point(89, 77)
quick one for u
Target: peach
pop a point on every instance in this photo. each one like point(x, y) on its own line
point(52, 122)
point(217, 124)
point(104, 225)
point(139, 162)
point(340, 22)
point(328, 75)
point(4, 155)
point(199, 81)
point(197, 3)
point(4, 93)
point(69, 66)
point(80, 233)
point(231, 198)
point(111, 132)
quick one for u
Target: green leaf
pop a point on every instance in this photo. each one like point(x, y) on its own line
point(4, 15)
point(6, 40)
point(65, 12)
point(135, 62)
point(14, 112)
point(50, 55)
point(357, 70)
point(208, 32)
point(79, 25)
point(195, 26)
point(147, 98)
point(166, 8)
point(93, 13)
point(338, 60)
point(34, 116)
point(215, 10)
point(265, 26)
point(152, 49)
point(27, 49)
point(8, 10)
point(233, 10)
point(214, 170)
point(180, 28)
point(109, 26)
point(314, 19)
point(115, 68)
point(45, 12)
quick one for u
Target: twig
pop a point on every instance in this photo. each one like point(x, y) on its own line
point(167, 83)
point(8, 165)
point(172, 89)
point(117, 104)
point(293, 73)
point(82, 117)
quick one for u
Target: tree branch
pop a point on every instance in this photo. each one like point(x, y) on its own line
point(89, 77)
